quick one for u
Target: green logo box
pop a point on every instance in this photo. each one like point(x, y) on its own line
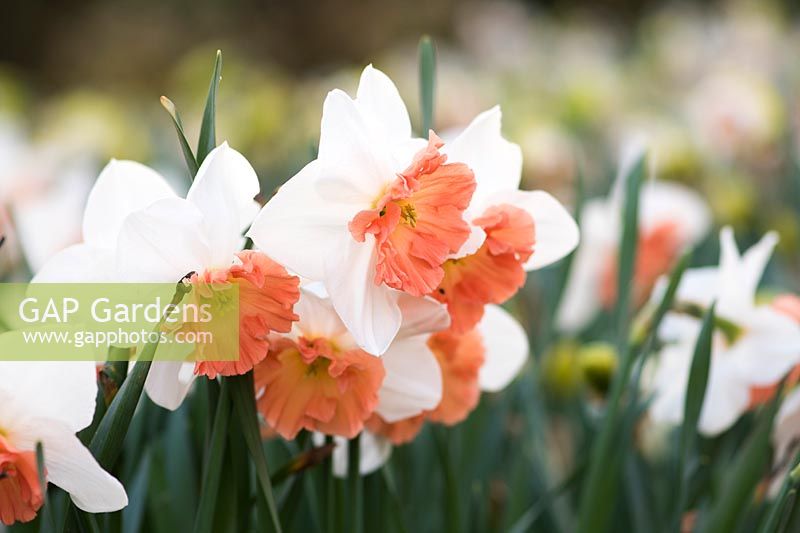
point(87, 321)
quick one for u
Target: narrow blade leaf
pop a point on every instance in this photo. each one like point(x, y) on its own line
point(599, 494)
point(186, 149)
point(204, 520)
point(693, 406)
point(427, 82)
point(208, 134)
point(243, 393)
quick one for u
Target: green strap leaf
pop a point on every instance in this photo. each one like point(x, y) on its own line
point(243, 393)
point(693, 406)
point(599, 494)
point(394, 496)
point(427, 82)
point(46, 516)
point(106, 444)
point(627, 251)
point(451, 492)
point(355, 485)
point(208, 134)
point(186, 149)
point(204, 519)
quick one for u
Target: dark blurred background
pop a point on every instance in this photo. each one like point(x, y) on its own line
point(57, 42)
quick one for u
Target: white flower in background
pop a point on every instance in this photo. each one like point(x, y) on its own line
point(376, 214)
point(672, 218)
point(317, 378)
point(43, 190)
point(136, 229)
point(375, 451)
point(786, 429)
point(512, 231)
point(735, 113)
point(48, 403)
point(486, 358)
point(753, 346)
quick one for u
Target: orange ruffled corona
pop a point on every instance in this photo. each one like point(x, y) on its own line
point(494, 273)
point(656, 253)
point(312, 384)
point(418, 222)
point(400, 432)
point(460, 357)
point(267, 294)
point(20, 492)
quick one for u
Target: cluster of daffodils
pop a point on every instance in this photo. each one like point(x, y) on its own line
point(370, 301)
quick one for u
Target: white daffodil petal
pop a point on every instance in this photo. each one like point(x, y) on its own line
point(755, 259)
point(496, 162)
point(163, 243)
point(581, 298)
point(768, 349)
point(671, 203)
point(473, 243)
point(739, 275)
point(72, 467)
point(223, 191)
point(378, 99)
point(700, 286)
point(421, 315)
point(168, 383)
point(298, 229)
point(413, 380)
point(122, 188)
point(318, 318)
point(356, 161)
point(374, 452)
point(368, 310)
point(666, 376)
point(727, 397)
point(80, 263)
point(506, 345)
point(49, 222)
point(63, 391)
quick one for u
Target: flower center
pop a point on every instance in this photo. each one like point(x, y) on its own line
point(310, 383)
point(417, 222)
point(20, 491)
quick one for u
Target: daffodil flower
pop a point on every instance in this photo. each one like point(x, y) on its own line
point(48, 403)
point(318, 378)
point(136, 229)
point(672, 218)
point(467, 369)
point(485, 359)
point(376, 214)
point(512, 231)
point(754, 346)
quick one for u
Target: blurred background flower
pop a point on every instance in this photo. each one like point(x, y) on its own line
point(712, 88)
